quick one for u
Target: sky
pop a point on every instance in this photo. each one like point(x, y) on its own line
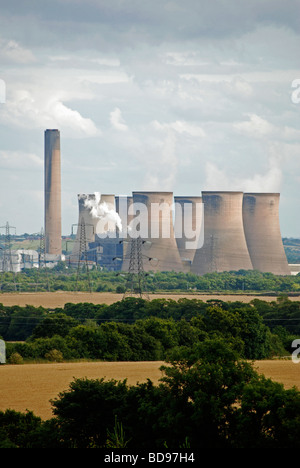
point(163, 95)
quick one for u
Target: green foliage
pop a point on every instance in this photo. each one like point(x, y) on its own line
point(64, 278)
point(15, 358)
point(136, 329)
point(16, 429)
point(54, 355)
point(54, 324)
point(207, 398)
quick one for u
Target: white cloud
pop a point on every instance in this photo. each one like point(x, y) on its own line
point(12, 51)
point(180, 127)
point(117, 121)
point(255, 127)
point(29, 110)
point(20, 161)
point(269, 181)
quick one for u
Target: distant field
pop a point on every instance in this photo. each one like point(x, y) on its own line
point(31, 386)
point(58, 299)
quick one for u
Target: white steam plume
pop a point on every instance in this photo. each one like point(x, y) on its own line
point(103, 212)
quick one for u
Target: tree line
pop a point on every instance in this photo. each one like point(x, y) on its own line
point(64, 278)
point(135, 329)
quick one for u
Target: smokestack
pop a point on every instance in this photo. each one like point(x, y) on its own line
point(52, 189)
point(154, 224)
point(225, 247)
point(262, 231)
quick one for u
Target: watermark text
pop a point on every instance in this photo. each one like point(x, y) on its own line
point(2, 92)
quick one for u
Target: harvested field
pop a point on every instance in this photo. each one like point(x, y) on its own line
point(31, 386)
point(58, 299)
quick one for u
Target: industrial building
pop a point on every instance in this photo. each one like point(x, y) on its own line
point(236, 231)
point(215, 231)
point(225, 247)
point(262, 233)
point(232, 231)
point(155, 225)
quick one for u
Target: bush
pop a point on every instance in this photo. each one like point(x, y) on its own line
point(15, 358)
point(54, 355)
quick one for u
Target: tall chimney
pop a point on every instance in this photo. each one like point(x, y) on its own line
point(52, 189)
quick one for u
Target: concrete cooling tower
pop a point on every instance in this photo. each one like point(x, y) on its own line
point(153, 221)
point(188, 219)
point(262, 232)
point(123, 204)
point(224, 247)
point(52, 188)
point(92, 216)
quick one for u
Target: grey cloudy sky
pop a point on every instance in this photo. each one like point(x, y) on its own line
point(161, 95)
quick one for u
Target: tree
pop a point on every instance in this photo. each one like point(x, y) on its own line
point(56, 324)
point(87, 411)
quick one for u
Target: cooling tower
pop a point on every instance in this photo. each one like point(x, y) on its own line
point(102, 228)
point(188, 220)
point(224, 247)
point(85, 215)
point(262, 232)
point(52, 188)
point(123, 204)
point(92, 216)
point(152, 220)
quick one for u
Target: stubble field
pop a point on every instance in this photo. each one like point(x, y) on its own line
point(58, 299)
point(32, 386)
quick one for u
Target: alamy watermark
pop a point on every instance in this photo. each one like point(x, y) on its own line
point(149, 221)
point(296, 93)
point(296, 344)
point(2, 92)
point(2, 352)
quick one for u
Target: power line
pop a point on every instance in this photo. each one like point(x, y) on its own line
point(7, 264)
point(135, 285)
point(83, 251)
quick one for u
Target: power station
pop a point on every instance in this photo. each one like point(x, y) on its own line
point(211, 232)
point(214, 232)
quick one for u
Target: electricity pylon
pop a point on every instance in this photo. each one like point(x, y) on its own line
point(7, 263)
point(83, 251)
point(135, 285)
point(42, 257)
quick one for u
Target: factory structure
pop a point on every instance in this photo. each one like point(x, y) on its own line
point(214, 231)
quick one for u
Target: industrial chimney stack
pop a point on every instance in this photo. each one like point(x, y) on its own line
point(52, 189)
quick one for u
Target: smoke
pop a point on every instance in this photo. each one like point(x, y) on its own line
point(105, 213)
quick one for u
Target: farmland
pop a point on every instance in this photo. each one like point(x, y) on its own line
point(60, 298)
point(31, 386)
